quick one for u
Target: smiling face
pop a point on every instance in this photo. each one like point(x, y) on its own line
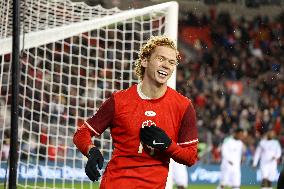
point(160, 65)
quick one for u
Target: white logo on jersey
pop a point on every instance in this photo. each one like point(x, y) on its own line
point(150, 113)
point(155, 143)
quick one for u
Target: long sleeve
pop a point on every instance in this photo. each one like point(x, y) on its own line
point(226, 153)
point(278, 150)
point(185, 151)
point(82, 139)
point(186, 155)
point(94, 126)
point(256, 156)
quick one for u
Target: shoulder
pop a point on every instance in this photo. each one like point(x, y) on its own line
point(227, 140)
point(276, 142)
point(237, 143)
point(242, 144)
point(125, 93)
point(262, 142)
point(178, 98)
point(126, 97)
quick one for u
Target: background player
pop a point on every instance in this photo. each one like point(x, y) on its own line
point(149, 123)
point(268, 152)
point(180, 175)
point(232, 152)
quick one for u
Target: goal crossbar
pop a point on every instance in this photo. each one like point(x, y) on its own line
point(34, 39)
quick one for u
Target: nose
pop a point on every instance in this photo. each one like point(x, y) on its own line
point(167, 64)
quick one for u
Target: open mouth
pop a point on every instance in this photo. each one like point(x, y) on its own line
point(162, 73)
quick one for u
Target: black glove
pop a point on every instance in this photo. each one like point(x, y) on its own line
point(155, 137)
point(94, 158)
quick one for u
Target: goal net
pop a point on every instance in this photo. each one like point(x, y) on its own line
point(73, 56)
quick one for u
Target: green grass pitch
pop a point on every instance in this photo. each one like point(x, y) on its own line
point(96, 186)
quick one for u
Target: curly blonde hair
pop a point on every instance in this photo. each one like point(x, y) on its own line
point(146, 51)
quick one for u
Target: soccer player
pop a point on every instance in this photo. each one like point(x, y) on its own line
point(232, 152)
point(149, 124)
point(180, 175)
point(268, 152)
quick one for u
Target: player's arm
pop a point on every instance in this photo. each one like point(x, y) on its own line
point(94, 126)
point(184, 154)
point(185, 151)
point(244, 149)
point(226, 152)
point(256, 155)
point(278, 151)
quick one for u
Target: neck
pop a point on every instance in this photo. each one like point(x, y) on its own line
point(153, 91)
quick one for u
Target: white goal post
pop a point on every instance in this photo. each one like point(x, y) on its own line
point(73, 57)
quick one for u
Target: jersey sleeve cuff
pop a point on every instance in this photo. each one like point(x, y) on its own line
point(172, 148)
point(188, 142)
point(175, 146)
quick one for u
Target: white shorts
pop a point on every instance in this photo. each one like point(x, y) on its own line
point(230, 176)
point(180, 175)
point(269, 171)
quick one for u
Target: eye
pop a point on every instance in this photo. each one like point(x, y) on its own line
point(161, 59)
point(173, 62)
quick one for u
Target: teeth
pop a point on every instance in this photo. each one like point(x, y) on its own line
point(163, 72)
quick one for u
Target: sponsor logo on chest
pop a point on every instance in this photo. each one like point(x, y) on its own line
point(150, 113)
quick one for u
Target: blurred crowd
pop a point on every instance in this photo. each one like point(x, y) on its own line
point(235, 77)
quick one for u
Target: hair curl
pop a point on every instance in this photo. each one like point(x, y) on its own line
point(146, 51)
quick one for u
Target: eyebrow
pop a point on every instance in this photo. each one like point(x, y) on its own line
point(167, 58)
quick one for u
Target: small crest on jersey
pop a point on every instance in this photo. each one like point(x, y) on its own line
point(148, 123)
point(150, 113)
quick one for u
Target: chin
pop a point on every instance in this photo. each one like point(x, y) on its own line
point(161, 83)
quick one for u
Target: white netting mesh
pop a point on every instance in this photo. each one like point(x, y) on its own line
point(45, 14)
point(64, 82)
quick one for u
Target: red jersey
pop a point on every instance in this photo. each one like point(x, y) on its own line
point(125, 112)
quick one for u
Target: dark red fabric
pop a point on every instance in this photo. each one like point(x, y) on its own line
point(188, 130)
point(82, 139)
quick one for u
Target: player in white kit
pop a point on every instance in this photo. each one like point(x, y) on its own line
point(232, 152)
point(180, 175)
point(268, 153)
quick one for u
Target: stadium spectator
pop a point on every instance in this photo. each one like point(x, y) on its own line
point(4, 155)
point(43, 142)
point(232, 152)
point(144, 139)
point(51, 150)
point(268, 153)
point(5, 115)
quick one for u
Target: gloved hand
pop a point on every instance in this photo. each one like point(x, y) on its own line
point(155, 137)
point(94, 158)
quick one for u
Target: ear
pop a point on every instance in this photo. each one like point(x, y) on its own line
point(144, 62)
